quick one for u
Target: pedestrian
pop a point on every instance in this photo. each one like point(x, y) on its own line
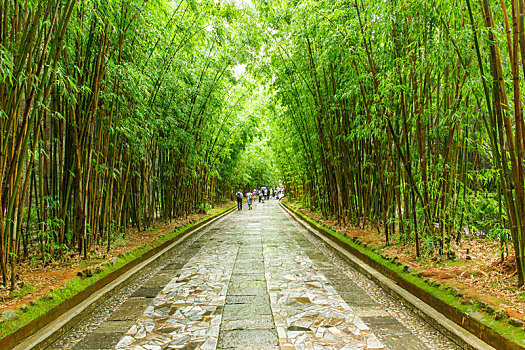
point(239, 200)
point(260, 196)
point(249, 196)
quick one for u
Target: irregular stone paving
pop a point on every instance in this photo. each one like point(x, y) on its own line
point(107, 324)
point(394, 324)
point(308, 311)
point(256, 280)
point(188, 311)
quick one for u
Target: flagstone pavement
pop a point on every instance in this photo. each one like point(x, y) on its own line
point(253, 280)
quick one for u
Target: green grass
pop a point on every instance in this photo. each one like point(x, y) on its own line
point(26, 289)
point(442, 292)
point(453, 263)
point(86, 263)
point(44, 304)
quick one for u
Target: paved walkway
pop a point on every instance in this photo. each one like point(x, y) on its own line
point(254, 280)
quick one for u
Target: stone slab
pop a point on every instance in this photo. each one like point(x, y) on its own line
point(385, 325)
point(173, 266)
point(263, 339)
point(245, 299)
point(358, 299)
point(370, 311)
point(402, 342)
point(257, 322)
point(245, 311)
point(99, 341)
point(131, 309)
point(147, 292)
point(159, 280)
point(247, 277)
point(248, 288)
point(114, 326)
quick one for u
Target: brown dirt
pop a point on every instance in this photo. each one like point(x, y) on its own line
point(483, 277)
point(56, 274)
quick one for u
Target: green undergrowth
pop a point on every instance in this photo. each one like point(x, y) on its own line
point(54, 298)
point(25, 290)
point(443, 292)
point(87, 263)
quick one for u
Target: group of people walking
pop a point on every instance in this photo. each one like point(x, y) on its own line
point(263, 193)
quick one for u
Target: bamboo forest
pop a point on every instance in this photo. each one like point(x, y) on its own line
point(396, 125)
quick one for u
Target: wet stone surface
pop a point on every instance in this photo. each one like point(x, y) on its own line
point(254, 280)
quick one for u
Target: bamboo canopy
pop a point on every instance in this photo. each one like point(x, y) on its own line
point(401, 116)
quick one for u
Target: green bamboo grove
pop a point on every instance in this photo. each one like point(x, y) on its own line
point(401, 116)
point(112, 114)
point(404, 116)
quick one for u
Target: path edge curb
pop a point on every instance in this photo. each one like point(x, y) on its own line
point(44, 330)
point(418, 300)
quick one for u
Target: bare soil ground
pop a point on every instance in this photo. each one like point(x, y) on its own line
point(36, 280)
point(481, 276)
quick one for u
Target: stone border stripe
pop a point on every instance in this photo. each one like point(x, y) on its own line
point(443, 323)
point(43, 331)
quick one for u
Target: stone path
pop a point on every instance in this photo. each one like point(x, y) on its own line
point(307, 309)
point(254, 280)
